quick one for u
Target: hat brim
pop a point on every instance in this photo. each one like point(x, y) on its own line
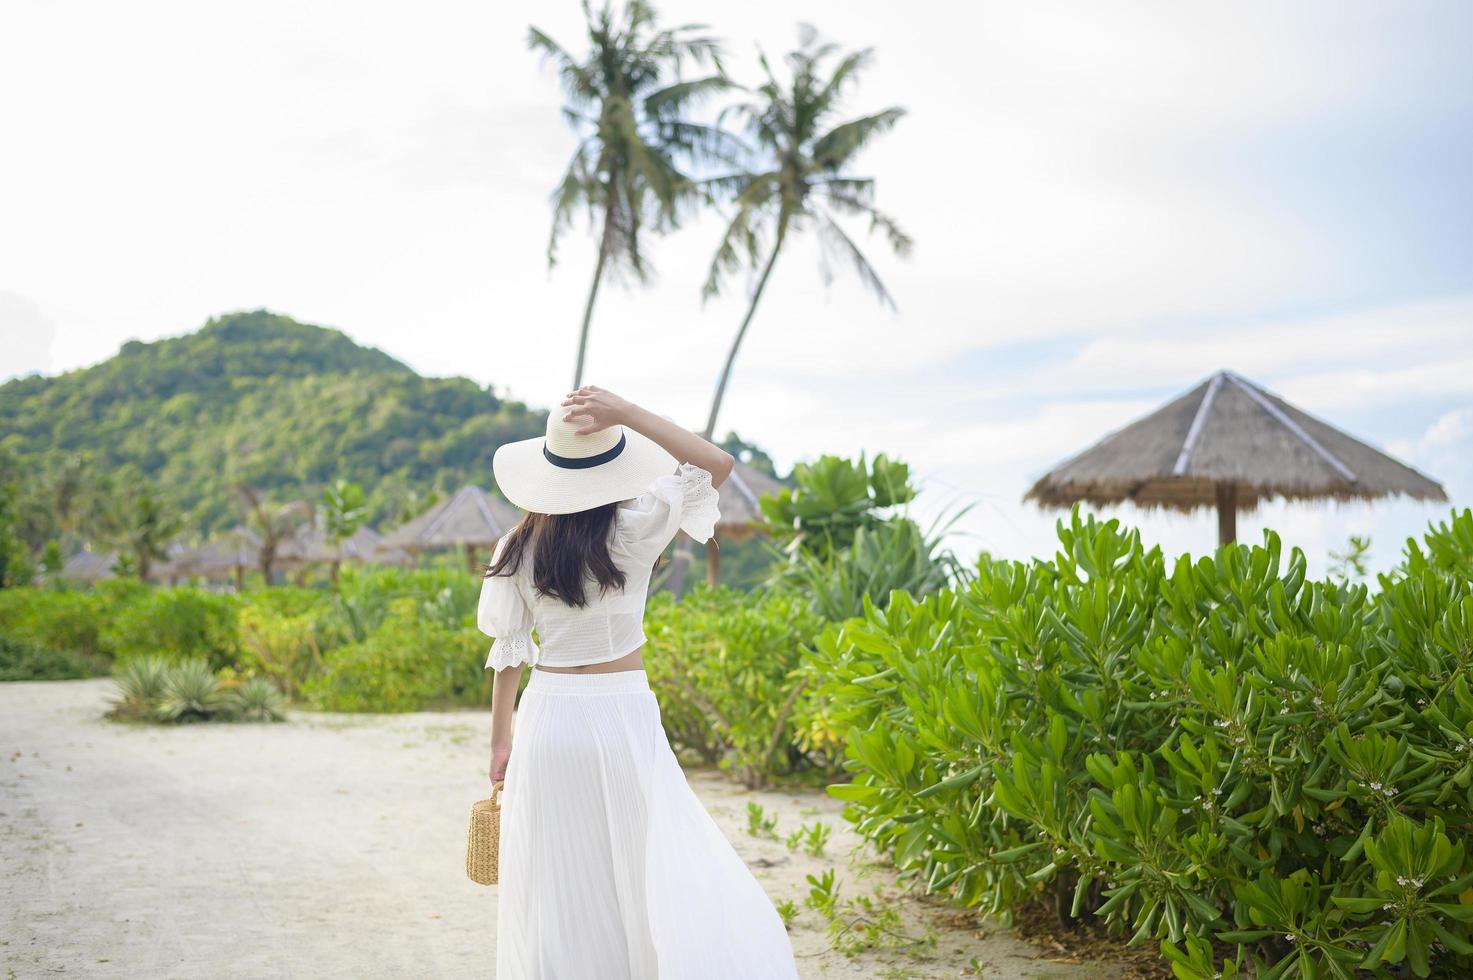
point(532, 482)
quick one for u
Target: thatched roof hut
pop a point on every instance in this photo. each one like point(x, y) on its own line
point(89, 566)
point(738, 496)
point(312, 547)
point(1228, 444)
point(470, 519)
point(168, 570)
point(740, 516)
point(228, 554)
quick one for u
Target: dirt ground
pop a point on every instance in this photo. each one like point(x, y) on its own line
point(333, 846)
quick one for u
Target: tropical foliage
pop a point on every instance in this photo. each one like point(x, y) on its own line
point(1191, 750)
point(724, 666)
point(846, 535)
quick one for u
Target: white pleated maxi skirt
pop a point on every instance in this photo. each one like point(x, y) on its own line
point(611, 867)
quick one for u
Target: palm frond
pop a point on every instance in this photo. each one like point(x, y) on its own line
point(700, 143)
point(578, 185)
point(741, 243)
point(899, 240)
point(836, 148)
point(857, 188)
point(845, 72)
point(670, 101)
point(579, 84)
point(833, 239)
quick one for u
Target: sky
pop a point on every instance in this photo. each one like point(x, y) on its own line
point(1109, 203)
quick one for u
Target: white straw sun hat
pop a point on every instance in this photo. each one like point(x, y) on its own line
point(564, 472)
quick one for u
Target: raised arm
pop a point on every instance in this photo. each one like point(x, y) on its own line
point(606, 409)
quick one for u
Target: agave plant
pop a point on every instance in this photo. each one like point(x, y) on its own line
point(140, 685)
point(257, 699)
point(897, 554)
point(192, 692)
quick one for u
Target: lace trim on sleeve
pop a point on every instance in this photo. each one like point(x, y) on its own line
point(701, 500)
point(514, 648)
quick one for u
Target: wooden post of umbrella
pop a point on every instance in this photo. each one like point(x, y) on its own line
point(713, 562)
point(1227, 513)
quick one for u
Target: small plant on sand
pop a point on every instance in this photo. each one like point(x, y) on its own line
point(811, 838)
point(789, 910)
point(153, 689)
point(857, 924)
point(192, 692)
point(140, 684)
point(758, 823)
point(257, 699)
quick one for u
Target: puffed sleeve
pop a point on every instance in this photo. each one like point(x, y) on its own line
point(502, 613)
point(681, 501)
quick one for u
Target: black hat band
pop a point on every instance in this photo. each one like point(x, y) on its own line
point(583, 462)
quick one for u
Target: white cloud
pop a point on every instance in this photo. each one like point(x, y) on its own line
point(28, 335)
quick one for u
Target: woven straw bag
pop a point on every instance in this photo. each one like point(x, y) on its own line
point(483, 842)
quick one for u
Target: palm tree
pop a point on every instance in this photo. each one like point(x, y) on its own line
point(142, 525)
point(627, 101)
point(275, 525)
point(803, 183)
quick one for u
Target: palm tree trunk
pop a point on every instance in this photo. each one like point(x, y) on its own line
point(598, 272)
point(683, 557)
point(782, 231)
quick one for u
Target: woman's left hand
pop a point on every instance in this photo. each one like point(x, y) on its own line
point(500, 756)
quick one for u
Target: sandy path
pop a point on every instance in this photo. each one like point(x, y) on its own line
point(330, 846)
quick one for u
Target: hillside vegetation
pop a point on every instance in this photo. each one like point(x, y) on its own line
point(254, 398)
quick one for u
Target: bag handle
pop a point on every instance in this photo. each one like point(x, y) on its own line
point(496, 789)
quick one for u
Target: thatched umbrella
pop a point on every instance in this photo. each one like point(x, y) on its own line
point(168, 570)
point(1228, 444)
point(312, 547)
point(229, 554)
point(470, 519)
point(89, 566)
point(740, 515)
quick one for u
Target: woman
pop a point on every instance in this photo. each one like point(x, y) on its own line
point(611, 868)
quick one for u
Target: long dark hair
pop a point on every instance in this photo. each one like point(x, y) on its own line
point(566, 548)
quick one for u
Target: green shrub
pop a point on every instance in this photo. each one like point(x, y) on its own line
point(1214, 749)
point(723, 665)
point(285, 648)
point(176, 623)
point(409, 662)
point(66, 621)
point(21, 660)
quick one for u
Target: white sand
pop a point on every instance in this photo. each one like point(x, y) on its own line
point(329, 846)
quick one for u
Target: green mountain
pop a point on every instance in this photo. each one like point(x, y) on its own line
point(250, 398)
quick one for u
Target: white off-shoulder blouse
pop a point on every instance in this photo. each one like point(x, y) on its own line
point(612, 624)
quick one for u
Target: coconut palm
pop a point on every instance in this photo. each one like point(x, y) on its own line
point(802, 182)
point(627, 101)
